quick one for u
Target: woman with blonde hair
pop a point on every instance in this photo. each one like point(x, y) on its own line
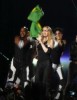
point(44, 68)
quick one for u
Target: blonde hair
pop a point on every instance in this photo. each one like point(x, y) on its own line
point(50, 34)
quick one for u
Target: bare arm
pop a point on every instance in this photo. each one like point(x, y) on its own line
point(16, 40)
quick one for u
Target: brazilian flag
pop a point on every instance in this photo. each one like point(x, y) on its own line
point(34, 16)
point(35, 29)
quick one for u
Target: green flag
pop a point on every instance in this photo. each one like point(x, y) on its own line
point(35, 29)
point(36, 14)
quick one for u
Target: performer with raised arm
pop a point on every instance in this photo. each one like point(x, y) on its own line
point(44, 68)
point(21, 61)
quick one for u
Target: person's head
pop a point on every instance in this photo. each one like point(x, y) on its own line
point(58, 33)
point(23, 31)
point(47, 32)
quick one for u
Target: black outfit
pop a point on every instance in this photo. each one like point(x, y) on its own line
point(72, 71)
point(43, 70)
point(4, 67)
point(56, 53)
point(21, 61)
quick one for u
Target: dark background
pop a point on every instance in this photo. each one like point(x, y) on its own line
point(13, 15)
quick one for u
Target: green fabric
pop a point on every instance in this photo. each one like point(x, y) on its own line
point(35, 29)
point(35, 14)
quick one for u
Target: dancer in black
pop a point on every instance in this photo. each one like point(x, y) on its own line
point(22, 55)
point(44, 68)
point(72, 71)
point(57, 51)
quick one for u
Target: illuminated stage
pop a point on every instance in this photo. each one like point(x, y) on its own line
point(14, 13)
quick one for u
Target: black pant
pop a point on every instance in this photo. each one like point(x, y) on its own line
point(72, 74)
point(43, 76)
point(20, 72)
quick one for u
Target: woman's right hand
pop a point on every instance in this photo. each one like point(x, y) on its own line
point(39, 38)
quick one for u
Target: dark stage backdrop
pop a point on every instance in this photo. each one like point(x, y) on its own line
point(13, 15)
